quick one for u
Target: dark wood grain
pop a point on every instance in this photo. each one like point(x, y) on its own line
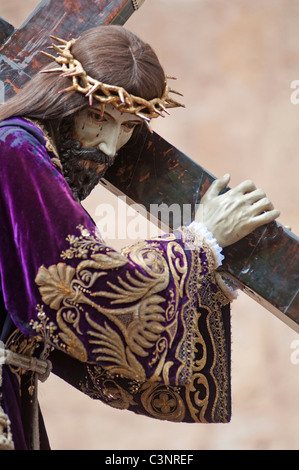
point(151, 172)
point(6, 30)
point(20, 56)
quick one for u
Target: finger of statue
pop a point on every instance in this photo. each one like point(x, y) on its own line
point(266, 217)
point(262, 205)
point(246, 187)
point(255, 195)
point(218, 185)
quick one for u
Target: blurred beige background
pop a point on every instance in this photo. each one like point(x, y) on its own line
point(235, 61)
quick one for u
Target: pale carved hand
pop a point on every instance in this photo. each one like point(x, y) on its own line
point(236, 213)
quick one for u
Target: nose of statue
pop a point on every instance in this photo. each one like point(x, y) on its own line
point(108, 144)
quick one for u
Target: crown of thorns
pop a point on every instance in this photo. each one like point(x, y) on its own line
point(104, 93)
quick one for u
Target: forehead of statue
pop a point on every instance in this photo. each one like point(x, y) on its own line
point(114, 113)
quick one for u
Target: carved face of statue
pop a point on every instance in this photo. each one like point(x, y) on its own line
point(89, 143)
point(107, 133)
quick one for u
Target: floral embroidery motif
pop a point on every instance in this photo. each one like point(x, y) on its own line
point(131, 303)
point(136, 326)
point(81, 246)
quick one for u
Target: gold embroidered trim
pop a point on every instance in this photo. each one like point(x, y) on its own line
point(213, 301)
point(197, 245)
point(50, 146)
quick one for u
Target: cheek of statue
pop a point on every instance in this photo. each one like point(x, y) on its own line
point(123, 137)
point(107, 133)
point(88, 134)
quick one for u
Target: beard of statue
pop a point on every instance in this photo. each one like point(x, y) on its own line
point(81, 179)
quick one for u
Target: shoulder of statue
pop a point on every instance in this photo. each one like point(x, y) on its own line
point(48, 141)
point(37, 130)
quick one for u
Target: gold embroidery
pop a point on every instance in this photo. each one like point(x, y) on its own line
point(56, 288)
point(141, 324)
point(55, 284)
point(45, 330)
point(162, 402)
point(197, 397)
point(212, 301)
point(171, 403)
point(179, 269)
point(105, 388)
point(50, 146)
point(134, 322)
point(110, 343)
point(74, 346)
point(83, 245)
point(175, 404)
point(20, 344)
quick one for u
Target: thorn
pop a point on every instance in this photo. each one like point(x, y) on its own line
point(59, 69)
point(142, 116)
point(164, 109)
point(121, 95)
point(149, 127)
point(158, 112)
point(62, 41)
point(172, 103)
point(70, 88)
point(57, 49)
point(92, 90)
point(48, 55)
point(174, 91)
point(103, 106)
point(70, 74)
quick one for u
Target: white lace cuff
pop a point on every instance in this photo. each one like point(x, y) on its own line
point(199, 229)
point(228, 287)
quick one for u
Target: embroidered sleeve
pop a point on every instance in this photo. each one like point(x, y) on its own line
point(133, 313)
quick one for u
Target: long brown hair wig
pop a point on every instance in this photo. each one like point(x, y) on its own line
point(110, 54)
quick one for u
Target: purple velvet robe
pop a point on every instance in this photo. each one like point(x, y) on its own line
point(146, 330)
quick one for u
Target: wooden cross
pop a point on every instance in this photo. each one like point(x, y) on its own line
point(151, 172)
